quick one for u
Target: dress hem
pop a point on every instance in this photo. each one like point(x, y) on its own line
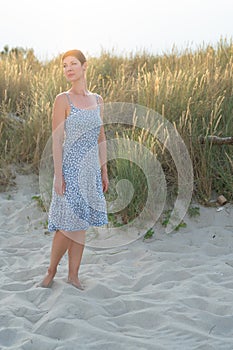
point(78, 229)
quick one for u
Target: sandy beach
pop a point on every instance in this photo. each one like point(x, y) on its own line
point(174, 291)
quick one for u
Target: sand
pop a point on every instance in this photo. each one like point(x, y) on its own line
point(174, 291)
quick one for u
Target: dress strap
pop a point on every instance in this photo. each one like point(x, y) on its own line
point(97, 98)
point(68, 97)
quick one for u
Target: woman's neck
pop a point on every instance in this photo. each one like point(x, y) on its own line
point(79, 88)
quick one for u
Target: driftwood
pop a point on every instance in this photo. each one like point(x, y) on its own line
point(216, 140)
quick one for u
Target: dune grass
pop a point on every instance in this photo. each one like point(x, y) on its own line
point(193, 90)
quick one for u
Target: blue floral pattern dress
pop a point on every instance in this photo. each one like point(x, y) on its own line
point(83, 203)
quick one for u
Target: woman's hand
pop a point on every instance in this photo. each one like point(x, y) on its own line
point(59, 185)
point(105, 181)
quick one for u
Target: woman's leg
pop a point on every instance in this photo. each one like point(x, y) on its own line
point(75, 252)
point(59, 247)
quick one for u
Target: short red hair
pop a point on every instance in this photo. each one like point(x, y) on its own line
point(77, 54)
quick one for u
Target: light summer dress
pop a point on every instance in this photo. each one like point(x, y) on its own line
point(83, 203)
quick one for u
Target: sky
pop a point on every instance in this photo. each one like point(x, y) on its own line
point(51, 27)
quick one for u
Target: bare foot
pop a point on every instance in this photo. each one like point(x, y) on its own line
point(48, 280)
point(75, 282)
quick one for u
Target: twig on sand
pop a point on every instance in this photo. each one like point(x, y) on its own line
point(212, 328)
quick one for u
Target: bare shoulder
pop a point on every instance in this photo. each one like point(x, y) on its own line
point(60, 109)
point(61, 99)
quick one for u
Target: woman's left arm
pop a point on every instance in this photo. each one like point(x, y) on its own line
point(103, 150)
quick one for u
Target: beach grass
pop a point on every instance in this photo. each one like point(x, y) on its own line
point(191, 89)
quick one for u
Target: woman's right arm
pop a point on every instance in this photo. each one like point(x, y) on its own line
point(58, 119)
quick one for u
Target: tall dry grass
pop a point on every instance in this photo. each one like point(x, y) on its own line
point(193, 90)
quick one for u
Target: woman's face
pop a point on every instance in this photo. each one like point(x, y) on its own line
point(73, 69)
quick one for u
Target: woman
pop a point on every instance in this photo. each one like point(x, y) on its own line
point(80, 170)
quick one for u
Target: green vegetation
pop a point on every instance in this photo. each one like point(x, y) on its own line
point(193, 90)
point(166, 220)
point(193, 211)
point(40, 202)
point(149, 234)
